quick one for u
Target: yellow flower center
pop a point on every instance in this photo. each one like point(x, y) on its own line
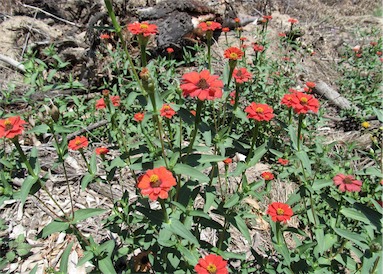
point(211, 268)
point(304, 100)
point(209, 23)
point(144, 26)
point(78, 142)
point(202, 84)
point(166, 108)
point(155, 180)
point(259, 110)
point(280, 211)
point(8, 124)
point(233, 55)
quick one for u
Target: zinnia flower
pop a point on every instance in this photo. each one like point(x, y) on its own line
point(283, 162)
point(78, 143)
point(293, 21)
point(279, 212)
point(237, 20)
point(202, 85)
point(268, 176)
point(302, 103)
point(209, 26)
point(347, 183)
point(258, 48)
point(233, 53)
point(170, 50)
point(100, 104)
point(241, 75)
point(267, 17)
point(143, 28)
point(104, 36)
point(156, 183)
point(11, 127)
point(227, 161)
point(225, 29)
point(211, 264)
point(167, 111)
point(138, 117)
point(259, 112)
point(102, 150)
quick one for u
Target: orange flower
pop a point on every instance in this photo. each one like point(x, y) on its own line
point(233, 53)
point(170, 50)
point(302, 103)
point(280, 212)
point(283, 162)
point(259, 112)
point(228, 161)
point(258, 48)
point(202, 85)
point(11, 127)
point(310, 85)
point(211, 264)
point(167, 111)
point(268, 176)
point(237, 20)
point(138, 117)
point(193, 112)
point(287, 100)
point(243, 38)
point(293, 21)
point(209, 26)
point(225, 29)
point(143, 28)
point(241, 75)
point(102, 150)
point(156, 183)
point(78, 143)
point(379, 53)
point(347, 183)
point(100, 104)
point(104, 36)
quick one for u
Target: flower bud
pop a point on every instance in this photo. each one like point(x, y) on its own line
point(54, 113)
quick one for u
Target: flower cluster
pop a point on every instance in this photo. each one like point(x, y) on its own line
point(100, 104)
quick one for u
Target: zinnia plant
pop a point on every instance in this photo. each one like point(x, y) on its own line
point(211, 264)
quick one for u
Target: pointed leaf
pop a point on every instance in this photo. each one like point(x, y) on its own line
point(28, 183)
point(65, 258)
point(86, 213)
point(179, 229)
point(53, 227)
point(190, 171)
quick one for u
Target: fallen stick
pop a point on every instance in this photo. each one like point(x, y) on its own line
point(12, 62)
point(333, 96)
point(88, 128)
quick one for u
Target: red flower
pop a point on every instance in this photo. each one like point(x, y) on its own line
point(209, 26)
point(228, 161)
point(280, 212)
point(104, 36)
point(225, 29)
point(233, 53)
point(237, 20)
point(302, 103)
point(138, 117)
point(268, 176)
point(282, 34)
point(167, 111)
point(310, 85)
point(379, 53)
point(193, 112)
point(100, 104)
point(156, 183)
point(347, 183)
point(211, 264)
point(102, 150)
point(373, 44)
point(287, 100)
point(258, 48)
point(241, 75)
point(267, 17)
point(143, 28)
point(202, 85)
point(232, 95)
point(11, 127)
point(293, 21)
point(283, 162)
point(170, 50)
point(243, 38)
point(259, 112)
point(78, 143)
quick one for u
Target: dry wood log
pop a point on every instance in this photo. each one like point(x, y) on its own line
point(333, 96)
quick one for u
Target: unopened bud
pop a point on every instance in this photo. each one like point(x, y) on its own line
point(55, 113)
point(105, 92)
point(144, 74)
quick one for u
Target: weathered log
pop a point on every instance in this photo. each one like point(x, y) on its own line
point(333, 96)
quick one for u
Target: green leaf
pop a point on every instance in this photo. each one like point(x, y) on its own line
point(293, 136)
point(53, 227)
point(106, 266)
point(39, 129)
point(65, 258)
point(116, 162)
point(355, 215)
point(28, 183)
point(304, 158)
point(85, 258)
point(190, 171)
point(211, 158)
point(258, 154)
point(191, 256)
point(179, 229)
point(93, 164)
point(353, 237)
point(319, 184)
point(232, 201)
point(82, 214)
point(34, 270)
point(88, 178)
point(325, 242)
point(242, 227)
point(23, 249)
point(164, 238)
point(199, 213)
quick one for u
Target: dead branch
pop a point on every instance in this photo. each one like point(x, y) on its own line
point(333, 96)
point(12, 62)
point(88, 128)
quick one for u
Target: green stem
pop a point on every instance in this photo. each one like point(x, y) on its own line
point(300, 123)
point(253, 142)
point(237, 91)
point(209, 53)
point(232, 64)
point(338, 211)
point(86, 161)
point(143, 54)
point(163, 207)
point(222, 234)
point(196, 123)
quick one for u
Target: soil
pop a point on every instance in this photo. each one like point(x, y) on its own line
point(327, 26)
